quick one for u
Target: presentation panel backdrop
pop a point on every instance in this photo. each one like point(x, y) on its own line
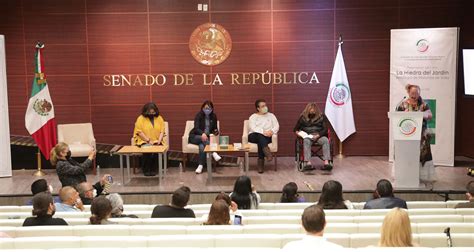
point(428, 58)
point(5, 157)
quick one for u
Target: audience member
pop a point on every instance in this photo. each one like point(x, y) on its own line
point(219, 214)
point(396, 229)
point(88, 192)
point(101, 210)
point(331, 196)
point(41, 185)
point(175, 209)
point(117, 206)
point(70, 172)
point(43, 210)
point(244, 194)
point(469, 196)
point(70, 200)
point(384, 198)
point(314, 222)
point(290, 194)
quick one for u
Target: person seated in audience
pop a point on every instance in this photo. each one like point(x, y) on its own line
point(233, 207)
point(70, 172)
point(41, 185)
point(469, 195)
point(70, 200)
point(396, 229)
point(101, 211)
point(117, 206)
point(331, 196)
point(384, 198)
point(290, 194)
point(314, 222)
point(43, 210)
point(219, 214)
point(244, 194)
point(88, 192)
point(175, 209)
point(205, 124)
point(262, 126)
point(149, 130)
point(313, 122)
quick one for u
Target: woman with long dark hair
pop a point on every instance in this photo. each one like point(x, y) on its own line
point(149, 130)
point(290, 194)
point(331, 196)
point(244, 194)
point(205, 124)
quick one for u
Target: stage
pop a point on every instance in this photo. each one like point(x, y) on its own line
point(358, 175)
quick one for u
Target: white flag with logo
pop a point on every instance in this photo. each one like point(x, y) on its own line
point(339, 103)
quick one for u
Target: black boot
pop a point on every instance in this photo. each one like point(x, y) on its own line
point(260, 165)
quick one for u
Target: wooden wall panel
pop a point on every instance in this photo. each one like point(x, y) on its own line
point(86, 39)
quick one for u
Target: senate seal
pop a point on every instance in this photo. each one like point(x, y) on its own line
point(210, 44)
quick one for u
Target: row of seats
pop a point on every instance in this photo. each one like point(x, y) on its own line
point(206, 241)
point(233, 249)
point(146, 230)
point(263, 220)
point(248, 213)
point(262, 206)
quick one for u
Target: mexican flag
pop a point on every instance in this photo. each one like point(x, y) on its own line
point(39, 118)
point(339, 100)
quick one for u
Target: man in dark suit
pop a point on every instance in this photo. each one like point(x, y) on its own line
point(469, 195)
point(384, 198)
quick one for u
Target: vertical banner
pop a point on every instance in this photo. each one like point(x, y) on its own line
point(427, 58)
point(5, 152)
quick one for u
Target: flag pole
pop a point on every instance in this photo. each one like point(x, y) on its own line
point(340, 155)
point(39, 172)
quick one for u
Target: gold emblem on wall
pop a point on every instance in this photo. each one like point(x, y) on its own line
point(210, 44)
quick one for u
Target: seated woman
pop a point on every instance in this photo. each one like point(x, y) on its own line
point(311, 126)
point(290, 194)
point(70, 172)
point(117, 206)
point(205, 124)
point(396, 229)
point(244, 194)
point(262, 126)
point(43, 211)
point(413, 103)
point(149, 130)
point(331, 197)
point(219, 214)
point(101, 210)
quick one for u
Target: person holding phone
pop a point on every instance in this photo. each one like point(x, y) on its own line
point(149, 130)
point(70, 172)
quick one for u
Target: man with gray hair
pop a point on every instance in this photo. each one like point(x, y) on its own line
point(70, 200)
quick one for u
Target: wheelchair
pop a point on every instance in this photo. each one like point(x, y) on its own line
point(316, 151)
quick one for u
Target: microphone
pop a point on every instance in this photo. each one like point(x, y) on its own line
point(447, 231)
point(400, 102)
